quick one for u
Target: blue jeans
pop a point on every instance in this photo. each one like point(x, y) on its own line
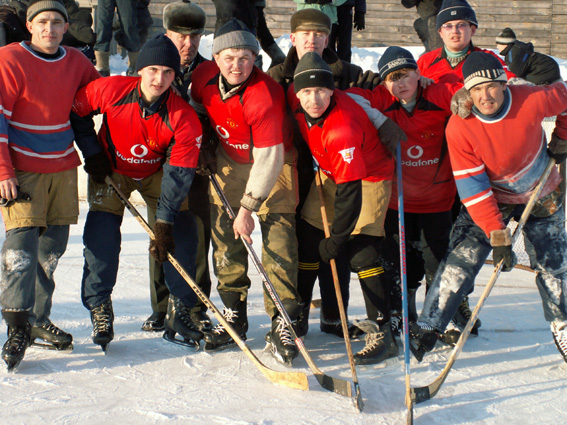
point(545, 240)
point(127, 14)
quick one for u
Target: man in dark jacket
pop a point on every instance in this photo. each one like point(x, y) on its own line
point(425, 25)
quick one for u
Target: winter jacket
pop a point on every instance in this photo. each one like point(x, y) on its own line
point(532, 66)
point(182, 83)
point(425, 8)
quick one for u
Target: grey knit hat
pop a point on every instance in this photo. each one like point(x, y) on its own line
point(456, 10)
point(38, 6)
point(310, 20)
point(184, 17)
point(480, 67)
point(234, 35)
point(506, 36)
point(312, 71)
point(159, 50)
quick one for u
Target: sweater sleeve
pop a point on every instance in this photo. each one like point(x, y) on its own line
point(268, 164)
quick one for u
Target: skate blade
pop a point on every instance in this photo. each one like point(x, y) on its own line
point(12, 367)
point(184, 342)
point(47, 346)
point(387, 366)
point(286, 361)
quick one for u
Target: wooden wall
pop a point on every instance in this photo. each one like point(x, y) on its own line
point(542, 22)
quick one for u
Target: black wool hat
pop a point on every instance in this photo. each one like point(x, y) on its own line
point(395, 58)
point(234, 35)
point(455, 10)
point(506, 36)
point(37, 6)
point(184, 17)
point(159, 50)
point(312, 71)
point(310, 20)
point(481, 68)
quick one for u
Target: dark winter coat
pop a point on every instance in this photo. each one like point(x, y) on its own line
point(14, 30)
point(535, 67)
point(181, 84)
point(425, 8)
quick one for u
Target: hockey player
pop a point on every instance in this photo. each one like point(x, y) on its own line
point(37, 158)
point(429, 186)
point(184, 23)
point(151, 141)
point(356, 171)
point(256, 169)
point(494, 179)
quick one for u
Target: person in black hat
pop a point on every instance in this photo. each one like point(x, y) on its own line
point(150, 138)
point(498, 154)
point(526, 63)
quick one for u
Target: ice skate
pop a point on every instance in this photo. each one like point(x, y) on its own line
point(281, 342)
point(451, 334)
point(235, 314)
point(15, 347)
point(202, 320)
point(380, 343)
point(178, 322)
point(102, 318)
point(154, 323)
point(559, 331)
point(422, 340)
point(463, 315)
point(53, 337)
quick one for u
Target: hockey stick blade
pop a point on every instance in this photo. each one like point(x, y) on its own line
point(427, 392)
point(336, 385)
point(296, 380)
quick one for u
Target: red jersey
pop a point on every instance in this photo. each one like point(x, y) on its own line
point(345, 143)
point(253, 117)
point(137, 143)
point(435, 65)
point(428, 181)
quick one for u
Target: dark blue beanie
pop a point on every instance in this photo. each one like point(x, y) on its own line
point(159, 50)
point(395, 58)
point(455, 10)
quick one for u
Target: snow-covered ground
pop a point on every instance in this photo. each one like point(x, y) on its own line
point(510, 374)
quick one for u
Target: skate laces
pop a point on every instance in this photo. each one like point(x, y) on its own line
point(283, 332)
point(229, 314)
point(464, 309)
point(372, 340)
point(51, 328)
point(559, 331)
point(17, 340)
point(102, 319)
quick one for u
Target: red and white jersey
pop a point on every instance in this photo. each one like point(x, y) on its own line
point(253, 117)
point(345, 143)
point(427, 177)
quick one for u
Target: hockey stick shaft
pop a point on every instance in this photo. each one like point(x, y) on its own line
point(421, 394)
point(404, 282)
point(341, 305)
point(297, 380)
point(337, 385)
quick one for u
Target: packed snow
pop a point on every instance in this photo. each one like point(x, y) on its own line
point(511, 373)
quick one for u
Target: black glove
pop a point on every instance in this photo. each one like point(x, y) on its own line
point(501, 241)
point(557, 149)
point(162, 242)
point(328, 249)
point(390, 135)
point(359, 21)
point(21, 196)
point(98, 167)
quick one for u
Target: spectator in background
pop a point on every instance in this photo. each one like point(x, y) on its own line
point(145, 22)
point(127, 10)
point(340, 39)
point(523, 61)
point(425, 25)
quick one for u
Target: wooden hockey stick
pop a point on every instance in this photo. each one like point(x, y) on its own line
point(297, 380)
point(421, 394)
point(342, 312)
point(337, 385)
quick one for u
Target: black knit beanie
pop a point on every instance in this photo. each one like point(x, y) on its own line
point(37, 6)
point(184, 17)
point(455, 10)
point(506, 36)
point(159, 50)
point(482, 67)
point(395, 58)
point(235, 35)
point(312, 71)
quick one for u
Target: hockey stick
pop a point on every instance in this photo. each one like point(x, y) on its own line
point(421, 394)
point(404, 282)
point(342, 312)
point(337, 385)
point(297, 380)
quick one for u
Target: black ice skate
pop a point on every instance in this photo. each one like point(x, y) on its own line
point(380, 343)
point(335, 327)
point(281, 342)
point(235, 314)
point(202, 320)
point(422, 340)
point(154, 323)
point(14, 348)
point(451, 335)
point(53, 338)
point(559, 331)
point(463, 315)
point(102, 318)
point(178, 322)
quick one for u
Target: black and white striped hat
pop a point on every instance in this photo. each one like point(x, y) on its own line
point(482, 67)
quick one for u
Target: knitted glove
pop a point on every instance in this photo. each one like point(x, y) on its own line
point(462, 103)
point(162, 242)
point(328, 249)
point(501, 241)
point(98, 167)
point(390, 135)
point(557, 149)
point(359, 21)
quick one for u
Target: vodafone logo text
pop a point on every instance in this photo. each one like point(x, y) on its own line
point(225, 135)
point(415, 153)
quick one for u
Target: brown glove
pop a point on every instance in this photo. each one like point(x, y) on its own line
point(162, 242)
point(462, 103)
point(557, 149)
point(501, 241)
point(390, 135)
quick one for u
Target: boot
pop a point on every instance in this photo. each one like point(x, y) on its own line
point(235, 314)
point(463, 315)
point(19, 331)
point(54, 337)
point(275, 54)
point(559, 331)
point(281, 341)
point(102, 63)
point(380, 343)
point(132, 57)
point(178, 321)
point(154, 323)
point(201, 320)
point(451, 334)
point(302, 324)
point(102, 318)
point(422, 339)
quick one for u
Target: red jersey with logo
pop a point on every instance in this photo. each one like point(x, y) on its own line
point(138, 143)
point(253, 117)
point(345, 143)
point(427, 177)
